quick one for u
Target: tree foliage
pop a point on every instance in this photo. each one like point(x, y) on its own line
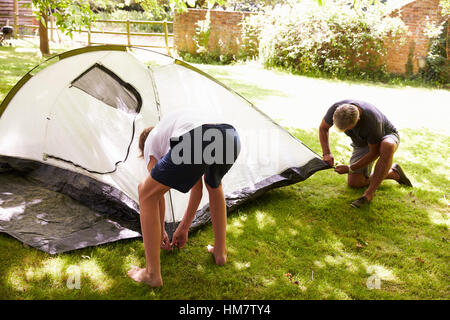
point(70, 15)
point(333, 39)
point(445, 5)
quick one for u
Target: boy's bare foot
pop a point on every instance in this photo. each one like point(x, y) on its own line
point(142, 275)
point(220, 259)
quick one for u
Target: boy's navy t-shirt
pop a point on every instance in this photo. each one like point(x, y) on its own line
point(371, 127)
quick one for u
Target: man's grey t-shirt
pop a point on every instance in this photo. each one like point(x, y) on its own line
point(371, 127)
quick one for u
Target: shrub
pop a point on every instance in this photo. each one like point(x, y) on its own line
point(220, 55)
point(333, 40)
point(437, 66)
point(251, 32)
point(201, 35)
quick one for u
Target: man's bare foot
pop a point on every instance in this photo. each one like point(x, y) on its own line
point(220, 259)
point(142, 275)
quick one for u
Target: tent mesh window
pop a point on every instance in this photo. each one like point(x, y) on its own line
point(106, 86)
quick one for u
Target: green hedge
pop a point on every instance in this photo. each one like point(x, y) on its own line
point(333, 40)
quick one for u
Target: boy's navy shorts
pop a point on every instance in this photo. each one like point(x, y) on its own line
point(186, 163)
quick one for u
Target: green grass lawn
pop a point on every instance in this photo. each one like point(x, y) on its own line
point(307, 229)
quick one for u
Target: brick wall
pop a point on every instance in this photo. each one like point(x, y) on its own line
point(414, 14)
point(225, 31)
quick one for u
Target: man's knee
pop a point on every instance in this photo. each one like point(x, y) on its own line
point(387, 147)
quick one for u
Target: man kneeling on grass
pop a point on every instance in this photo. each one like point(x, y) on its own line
point(373, 136)
point(183, 147)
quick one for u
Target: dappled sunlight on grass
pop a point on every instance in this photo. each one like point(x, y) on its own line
point(381, 272)
point(200, 268)
point(132, 260)
point(331, 291)
point(54, 273)
point(235, 228)
point(241, 265)
point(263, 220)
point(91, 271)
point(27, 50)
point(439, 216)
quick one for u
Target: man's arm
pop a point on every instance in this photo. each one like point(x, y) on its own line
point(372, 155)
point(324, 142)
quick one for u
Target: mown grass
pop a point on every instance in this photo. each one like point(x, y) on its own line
point(307, 229)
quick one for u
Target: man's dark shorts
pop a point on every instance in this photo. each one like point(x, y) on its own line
point(183, 176)
point(359, 152)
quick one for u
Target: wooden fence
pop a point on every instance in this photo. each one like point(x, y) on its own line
point(90, 31)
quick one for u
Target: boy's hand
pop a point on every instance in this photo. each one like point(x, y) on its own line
point(179, 238)
point(165, 243)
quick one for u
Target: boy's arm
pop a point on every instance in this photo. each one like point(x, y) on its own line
point(162, 208)
point(195, 196)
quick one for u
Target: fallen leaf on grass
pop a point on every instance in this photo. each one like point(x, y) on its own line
point(296, 282)
point(420, 260)
point(288, 275)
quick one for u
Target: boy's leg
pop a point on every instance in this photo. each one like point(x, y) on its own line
point(150, 192)
point(218, 212)
point(213, 176)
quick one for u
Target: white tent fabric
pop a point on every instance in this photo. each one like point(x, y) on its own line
point(81, 145)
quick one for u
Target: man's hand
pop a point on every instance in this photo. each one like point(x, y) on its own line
point(341, 169)
point(328, 158)
point(180, 237)
point(165, 243)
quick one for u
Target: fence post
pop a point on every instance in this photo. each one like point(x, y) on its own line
point(16, 18)
point(89, 34)
point(128, 32)
point(166, 37)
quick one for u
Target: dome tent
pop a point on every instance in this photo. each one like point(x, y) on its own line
point(74, 126)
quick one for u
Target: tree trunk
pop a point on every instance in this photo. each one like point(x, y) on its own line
point(43, 34)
